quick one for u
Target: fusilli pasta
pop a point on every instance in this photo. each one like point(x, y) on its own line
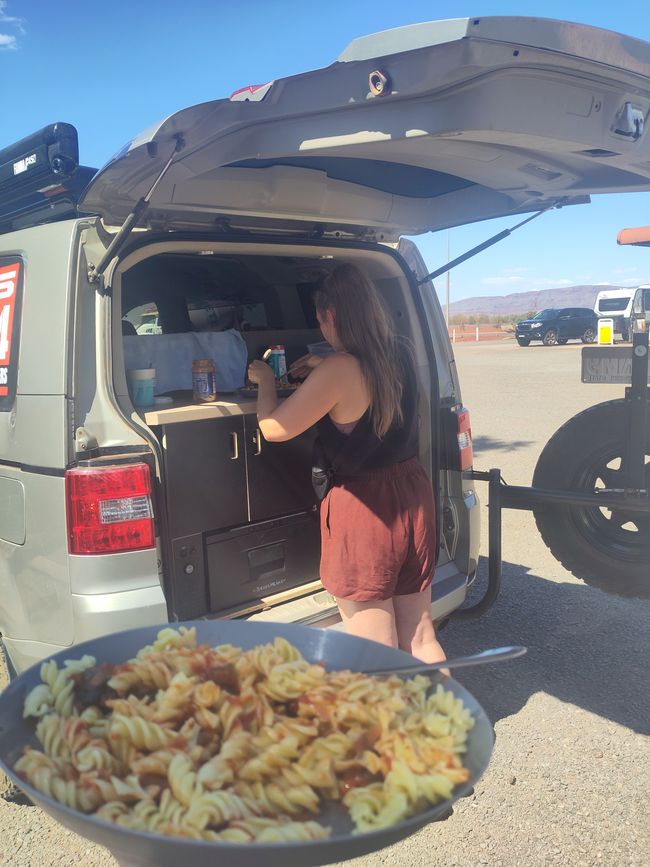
point(224, 745)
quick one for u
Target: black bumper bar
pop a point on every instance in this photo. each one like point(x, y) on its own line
point(502, 496)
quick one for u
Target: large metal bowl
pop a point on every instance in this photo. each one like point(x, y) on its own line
point(337, 651)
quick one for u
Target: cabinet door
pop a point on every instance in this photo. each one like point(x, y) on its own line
point(205, 466)
point(279, 474)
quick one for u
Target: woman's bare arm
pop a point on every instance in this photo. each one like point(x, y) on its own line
point(317, 396)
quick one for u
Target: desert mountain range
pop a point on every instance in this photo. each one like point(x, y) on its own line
point(522, 302)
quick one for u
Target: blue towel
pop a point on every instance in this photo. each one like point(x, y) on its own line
point(172, 356)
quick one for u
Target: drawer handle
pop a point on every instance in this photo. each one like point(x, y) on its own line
point(234, 446)
point(257, 442)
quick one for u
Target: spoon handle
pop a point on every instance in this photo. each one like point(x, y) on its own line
point(494, 654)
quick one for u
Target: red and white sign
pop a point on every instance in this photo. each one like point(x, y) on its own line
point(9, 285)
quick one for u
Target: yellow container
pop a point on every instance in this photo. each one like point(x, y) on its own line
point(605, 332)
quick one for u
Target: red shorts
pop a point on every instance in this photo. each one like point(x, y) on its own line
point(378, 533)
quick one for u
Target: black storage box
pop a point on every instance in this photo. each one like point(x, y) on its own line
point(260, 560)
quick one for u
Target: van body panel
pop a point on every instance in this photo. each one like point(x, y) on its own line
point(25, 653)
point(46, 252)
point(101, 613)
point(94, 615)
point(35, 601)
point(490, 118)
point(95, 405)
point(12, 510)
point(107, 574)
point(38, 432)
point(565, 37)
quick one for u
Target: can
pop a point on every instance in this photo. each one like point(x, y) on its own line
point(277, 359)
point(204, 380)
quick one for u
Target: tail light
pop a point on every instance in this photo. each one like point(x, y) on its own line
point(464, 435)
point(109, 509)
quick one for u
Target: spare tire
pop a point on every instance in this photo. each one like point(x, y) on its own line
point(608, 549)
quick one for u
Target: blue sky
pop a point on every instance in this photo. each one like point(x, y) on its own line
point(112, 69)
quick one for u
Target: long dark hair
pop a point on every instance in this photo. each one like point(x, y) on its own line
point(366, 331)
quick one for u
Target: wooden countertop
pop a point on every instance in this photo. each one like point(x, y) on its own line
point(183, 409)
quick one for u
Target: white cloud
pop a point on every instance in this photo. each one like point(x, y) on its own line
point(9, 40)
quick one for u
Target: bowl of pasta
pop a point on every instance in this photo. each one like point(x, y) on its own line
point(228, 742)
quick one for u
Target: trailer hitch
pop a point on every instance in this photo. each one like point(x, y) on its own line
point(635, 498)
point(503, 496)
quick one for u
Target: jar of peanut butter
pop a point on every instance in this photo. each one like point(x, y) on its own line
point(204, 383)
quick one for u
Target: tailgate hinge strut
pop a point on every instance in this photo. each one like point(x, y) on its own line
point(96, 271)
point(490, 241)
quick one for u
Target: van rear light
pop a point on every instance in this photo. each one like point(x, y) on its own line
point(465, 448)
point(109, 509)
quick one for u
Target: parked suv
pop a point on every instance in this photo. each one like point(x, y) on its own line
point(114, 515)
point(553, 326)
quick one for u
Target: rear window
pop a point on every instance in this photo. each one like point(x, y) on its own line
point(179, 294)
point(549, 313)
point(214, 312)
point(612, 305)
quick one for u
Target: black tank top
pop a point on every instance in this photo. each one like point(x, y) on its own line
point(362, 450)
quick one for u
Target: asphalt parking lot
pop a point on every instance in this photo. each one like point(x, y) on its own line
point(568, 780)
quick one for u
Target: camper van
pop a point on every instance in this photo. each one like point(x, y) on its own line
point(616, 304)
point(211, 229)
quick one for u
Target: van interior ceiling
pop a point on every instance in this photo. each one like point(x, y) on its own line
point(241, 512)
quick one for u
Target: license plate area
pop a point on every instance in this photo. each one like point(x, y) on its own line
point(607, 365)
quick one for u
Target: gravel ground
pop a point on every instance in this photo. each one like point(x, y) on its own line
point(568, 782)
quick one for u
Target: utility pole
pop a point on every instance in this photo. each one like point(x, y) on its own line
point(448, 277)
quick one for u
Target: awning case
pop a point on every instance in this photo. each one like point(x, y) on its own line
point(478, 118)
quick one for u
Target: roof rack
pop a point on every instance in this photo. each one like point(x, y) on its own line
point(41, 180)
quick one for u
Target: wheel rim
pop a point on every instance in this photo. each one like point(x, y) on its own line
point(619, 534)
point(589, 336)
point(550, 338)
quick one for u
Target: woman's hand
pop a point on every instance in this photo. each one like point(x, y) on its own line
point(260, 373)
point(301, 368)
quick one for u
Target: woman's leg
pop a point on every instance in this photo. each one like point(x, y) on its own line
point(415, 632)
point(374, 620)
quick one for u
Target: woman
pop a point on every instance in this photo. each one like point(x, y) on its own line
point(377, 520)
